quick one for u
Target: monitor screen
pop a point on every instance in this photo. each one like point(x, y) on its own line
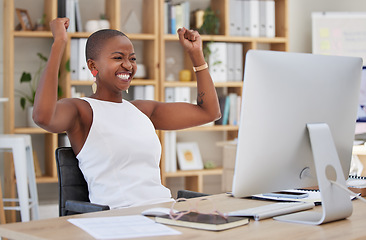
point(282, 93)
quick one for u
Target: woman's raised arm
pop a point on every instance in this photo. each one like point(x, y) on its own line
point(48, 113)
point(169, 116)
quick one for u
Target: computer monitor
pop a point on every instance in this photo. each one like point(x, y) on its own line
point(282, 94)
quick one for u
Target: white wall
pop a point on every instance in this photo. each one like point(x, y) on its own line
point(300, 18)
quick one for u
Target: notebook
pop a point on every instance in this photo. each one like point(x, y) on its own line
point(204, 221)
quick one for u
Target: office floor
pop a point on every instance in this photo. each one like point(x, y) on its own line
point(48, 200)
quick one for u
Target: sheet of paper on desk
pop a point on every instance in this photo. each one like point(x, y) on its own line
point(314, 196)
point(122, 227)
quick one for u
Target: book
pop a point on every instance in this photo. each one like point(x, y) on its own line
point(204, 221)
point(222, 103)
point(78, 22)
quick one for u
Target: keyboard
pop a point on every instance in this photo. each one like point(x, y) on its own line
point(272, 210)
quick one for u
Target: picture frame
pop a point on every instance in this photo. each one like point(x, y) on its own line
point(24, 19)
point(189, 156)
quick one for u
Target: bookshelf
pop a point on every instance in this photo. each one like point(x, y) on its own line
point(154, 45)
point(194, 180)
point(115, 11)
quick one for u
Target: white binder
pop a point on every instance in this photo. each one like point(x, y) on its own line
point(70, 13)
point(267, 18)
point(218, 61)
point(149, 92)
point(138, 92)
point(235, 18)
point(169, 94)
point(182, 94)
point(250, 10)
point(231, 57)
point(84, 72)
point(238, 62)
point(74, 59)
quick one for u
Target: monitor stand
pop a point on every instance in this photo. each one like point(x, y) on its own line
point(336, 203)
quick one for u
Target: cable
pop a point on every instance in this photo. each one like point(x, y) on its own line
point(348, 191)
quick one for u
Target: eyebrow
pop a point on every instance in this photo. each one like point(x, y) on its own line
point(123, 53)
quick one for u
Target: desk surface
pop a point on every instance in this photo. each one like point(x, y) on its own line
point(353, 227)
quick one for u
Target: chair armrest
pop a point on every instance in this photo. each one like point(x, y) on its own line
point(190, 194)
point(83, 207)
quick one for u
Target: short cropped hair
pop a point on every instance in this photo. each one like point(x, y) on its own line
point(96, 41)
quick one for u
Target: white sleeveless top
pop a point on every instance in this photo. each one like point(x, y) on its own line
point(120, 157)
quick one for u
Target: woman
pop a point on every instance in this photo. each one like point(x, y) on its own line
point(113, 139)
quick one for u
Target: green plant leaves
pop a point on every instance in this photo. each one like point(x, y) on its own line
point(42, 57)
point(26, 77)
point(22, 102)
point(211, 22)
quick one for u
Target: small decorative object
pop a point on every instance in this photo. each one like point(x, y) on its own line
point(189, 157)
point(103, 22)
point(30, 122)
point(185, 75)
point(170, 62)
point(209, 165)
point(141, 71)
point(132, 23)
point(211, 23)
point(92, 26)
point(24, 19)
point(198, 18)
point(40, 25)
point(95, 25)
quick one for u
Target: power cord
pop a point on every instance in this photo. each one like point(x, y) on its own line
point(348, 191)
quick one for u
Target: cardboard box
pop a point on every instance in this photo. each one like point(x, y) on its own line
point(229, 156)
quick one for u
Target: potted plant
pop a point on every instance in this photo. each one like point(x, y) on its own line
point(28, 96)
point(211, 23)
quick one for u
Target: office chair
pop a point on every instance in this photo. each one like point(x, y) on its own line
point(190, 194)
point(73, 189)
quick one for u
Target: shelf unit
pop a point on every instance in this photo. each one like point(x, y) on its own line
point(194, 180)
point(114, 11)
point(154, 43)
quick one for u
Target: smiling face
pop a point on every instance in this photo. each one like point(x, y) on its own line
point(116, 64)
point(114, 59)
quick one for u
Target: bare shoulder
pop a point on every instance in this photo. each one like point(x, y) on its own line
point(80, 127)
point(146, 106)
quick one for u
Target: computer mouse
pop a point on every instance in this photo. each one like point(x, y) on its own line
point(157, 211)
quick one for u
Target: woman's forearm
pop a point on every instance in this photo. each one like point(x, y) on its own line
point(46, 94)
point(206, 92)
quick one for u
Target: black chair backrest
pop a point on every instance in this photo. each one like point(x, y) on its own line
point(72, 185)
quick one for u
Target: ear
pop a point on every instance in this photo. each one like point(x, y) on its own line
point(91, 64)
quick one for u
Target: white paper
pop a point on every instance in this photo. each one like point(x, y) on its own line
point(122, 227)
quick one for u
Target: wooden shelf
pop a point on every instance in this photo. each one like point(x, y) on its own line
point(134, 82)
point(187, 173)
point(46, 179)
point(194, 179)
point(212, 128)
point(27, 130)
point(224, 38)
point(132, 36)
point(154, 41)
point(194, 84)
point(35, 34)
